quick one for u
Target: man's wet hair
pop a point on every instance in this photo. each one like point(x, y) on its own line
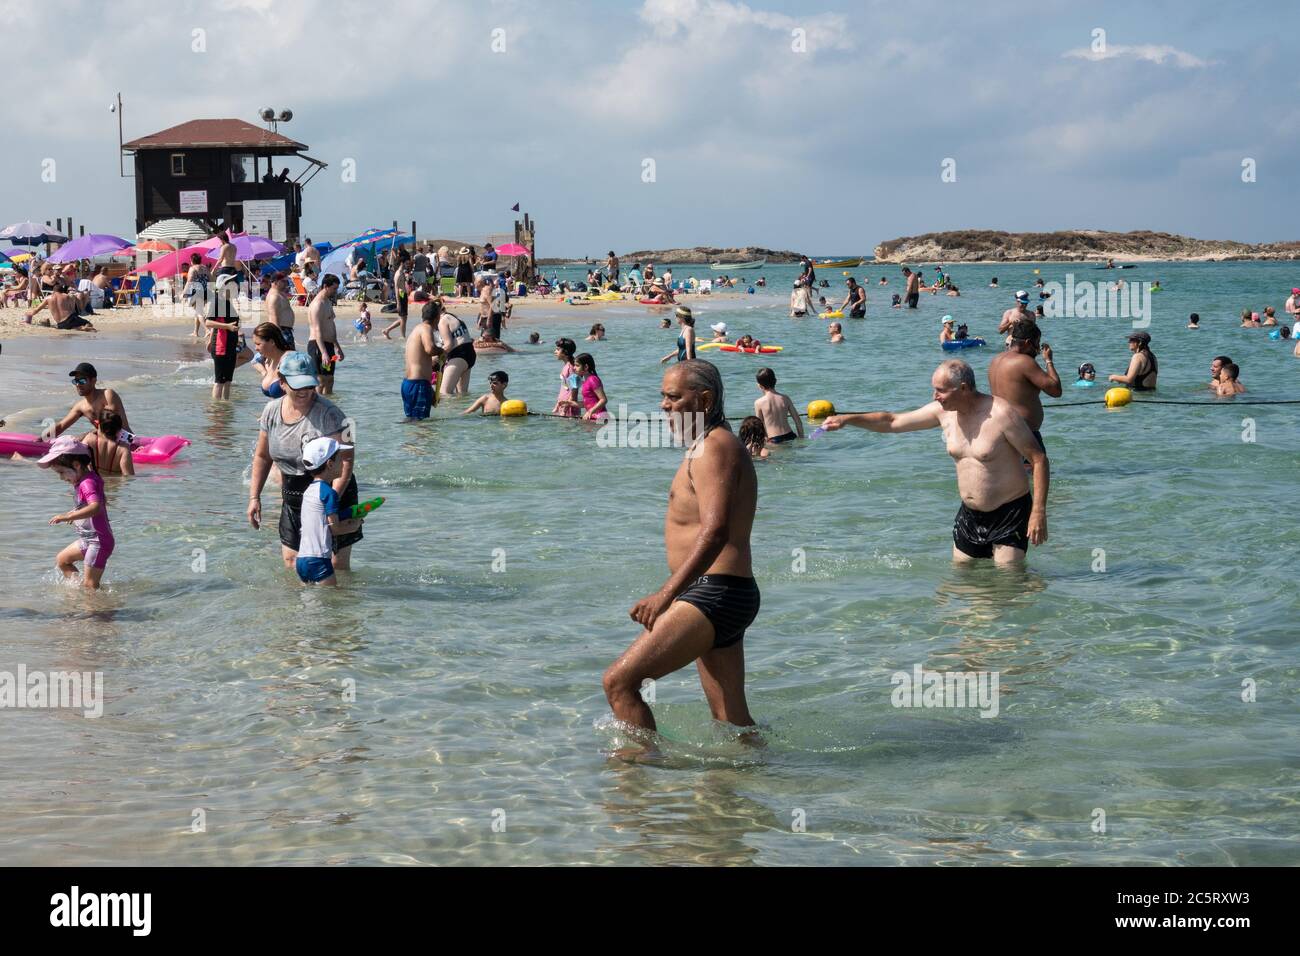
point(702, 376)
point(958, 373)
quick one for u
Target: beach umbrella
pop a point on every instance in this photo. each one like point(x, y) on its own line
point(88, 246)
point(152, 245)
point(249, 248)
point(19, 256)
point(170, 264)
point(513, 249)
point(30, 234)
point(175, 230)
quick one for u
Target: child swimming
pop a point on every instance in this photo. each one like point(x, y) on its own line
point(776, 410)
point(490, 404)
point(75, 463)
point(753, 435)
point(1087, 376)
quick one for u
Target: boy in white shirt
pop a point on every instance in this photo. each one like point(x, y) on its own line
point(320, 512)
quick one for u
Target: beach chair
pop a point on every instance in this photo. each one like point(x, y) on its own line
point(299, 289)
point(127, 290)
point(145, 290)
point(448, 285)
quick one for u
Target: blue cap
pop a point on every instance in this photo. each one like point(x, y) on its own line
point(298, 370)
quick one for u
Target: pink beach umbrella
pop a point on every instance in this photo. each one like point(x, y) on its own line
point(513, 249)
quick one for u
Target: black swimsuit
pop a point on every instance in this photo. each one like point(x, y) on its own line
point(976, 532)
point(1137, 385)
point(729, 601)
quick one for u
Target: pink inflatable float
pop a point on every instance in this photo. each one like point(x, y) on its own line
point(147, 451)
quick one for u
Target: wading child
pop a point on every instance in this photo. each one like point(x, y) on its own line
point(490, 404)
point(320, 512)
point(74, 463)
point(363, 324)
point(776, 410)
point(753, 435)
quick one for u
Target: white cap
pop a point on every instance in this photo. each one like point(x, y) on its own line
point(1022, 295)
point(719, 327)
point(320, 450)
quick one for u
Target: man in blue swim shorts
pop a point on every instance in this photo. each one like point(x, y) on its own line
point(421, 349)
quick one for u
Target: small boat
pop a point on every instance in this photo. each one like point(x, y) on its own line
point(737, 266)
point(838, 264)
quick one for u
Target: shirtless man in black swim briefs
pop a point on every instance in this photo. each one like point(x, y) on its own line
point(987, 439)
point(1016, 377)
point(710, 597)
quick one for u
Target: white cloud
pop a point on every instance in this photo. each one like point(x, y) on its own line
point(1150, 52)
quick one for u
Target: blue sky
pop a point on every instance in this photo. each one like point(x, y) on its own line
point(826, 150)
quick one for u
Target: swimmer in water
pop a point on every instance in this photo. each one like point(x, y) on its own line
point(719, 332)
point(534, 338)
point(776, 410)
point(1228, 384)
point(111, 456)
point(999, 518)
point(75, 463)
point(1087, 376)
point(753, 435)
point(837, 333)
point(1016, 378)
point(1194, 321)
point(490, 404)
point(994, 283)
point(1216, 367)
point(947, 334)
point(701, 613)
point(92, 402)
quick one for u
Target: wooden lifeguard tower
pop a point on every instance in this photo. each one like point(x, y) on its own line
point(221, 173)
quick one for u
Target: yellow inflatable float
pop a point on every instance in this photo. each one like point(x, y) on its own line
point(820, 409)
point(1118, 397)
point(513, 408)
point(837, 314)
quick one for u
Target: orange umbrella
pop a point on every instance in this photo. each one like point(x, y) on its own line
point(152, 245)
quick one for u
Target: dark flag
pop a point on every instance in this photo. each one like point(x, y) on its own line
point(515, 207)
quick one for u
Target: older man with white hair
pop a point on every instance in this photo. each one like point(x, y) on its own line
point(999, 518)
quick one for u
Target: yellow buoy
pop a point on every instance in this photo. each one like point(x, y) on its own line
point(820, 409)
point(512, 408)
point(1118, 397)
point(1035, 272)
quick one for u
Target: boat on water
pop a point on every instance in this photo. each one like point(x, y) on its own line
point(838, 264)
point(737, 266)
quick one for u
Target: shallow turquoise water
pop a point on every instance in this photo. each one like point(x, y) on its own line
point(479, 691)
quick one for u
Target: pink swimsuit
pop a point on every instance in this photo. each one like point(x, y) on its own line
point(567, 411)
point(95, 533)
point(589, 397)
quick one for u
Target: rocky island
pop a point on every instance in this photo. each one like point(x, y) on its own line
point(984, 245)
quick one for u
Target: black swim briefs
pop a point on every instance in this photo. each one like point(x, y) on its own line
point(976, 532)
point(729, 602)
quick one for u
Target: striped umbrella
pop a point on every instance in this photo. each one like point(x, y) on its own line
point(31, 234)
point(178, 231)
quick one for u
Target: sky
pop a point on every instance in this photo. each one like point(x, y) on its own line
point(818, 127)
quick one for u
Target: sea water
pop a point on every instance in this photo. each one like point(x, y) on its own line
point(444, 706)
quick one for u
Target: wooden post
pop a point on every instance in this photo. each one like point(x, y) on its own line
point(413, 233)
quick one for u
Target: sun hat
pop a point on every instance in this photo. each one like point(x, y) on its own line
point(719, 327)
point(320, 450)
point(684, 312)
point(63, 445)
point(298, 370)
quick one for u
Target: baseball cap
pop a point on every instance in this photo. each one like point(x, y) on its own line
point(1022, 296)
point(948, 320)
point(298, 370)
point(320, 450)
point(63, 445)
point(719, 327)
point(1295, 291)
point(84, 370)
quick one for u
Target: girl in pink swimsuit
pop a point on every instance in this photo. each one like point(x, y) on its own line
point(564, 406)
point(75, 464)
point(592, 389)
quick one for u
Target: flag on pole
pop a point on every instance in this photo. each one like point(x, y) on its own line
point(515, 207)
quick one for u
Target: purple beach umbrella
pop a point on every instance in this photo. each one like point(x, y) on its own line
point(89, 246)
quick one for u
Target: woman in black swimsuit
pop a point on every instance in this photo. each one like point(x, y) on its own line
point(1143, 367)
point(459, 345)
